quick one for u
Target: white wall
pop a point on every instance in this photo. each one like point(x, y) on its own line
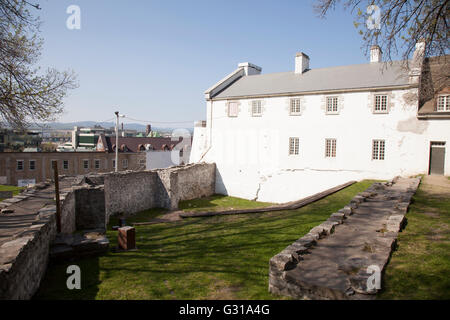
point(160, 159)
point(251, 153)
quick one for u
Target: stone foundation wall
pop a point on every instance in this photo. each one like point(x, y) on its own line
point(68, 223)
point(130, 192)
point(194, 182)
point(23, 261)
point(90, 208)
point(87, 205)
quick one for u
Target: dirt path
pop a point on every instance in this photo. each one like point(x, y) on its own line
point(438, 186)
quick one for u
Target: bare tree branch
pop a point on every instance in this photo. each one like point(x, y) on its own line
point(26, 93)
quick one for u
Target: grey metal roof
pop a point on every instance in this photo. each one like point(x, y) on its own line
point(359, 76)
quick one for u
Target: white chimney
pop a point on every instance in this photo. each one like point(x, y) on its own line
point(249, 68)
point(301, 62)
point(375, 54)
point(416, 63)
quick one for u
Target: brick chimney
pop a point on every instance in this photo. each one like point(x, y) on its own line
point(301, 62)
point(375, 54)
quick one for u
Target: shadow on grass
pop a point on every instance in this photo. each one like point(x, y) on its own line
point(196, 258)
point(56, 276)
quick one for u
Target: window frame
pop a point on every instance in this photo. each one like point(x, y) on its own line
point(381, 111)
point(17, 165)
point(29, 164)
point(294, 146)
point(334, 99)
point(446, 103)
point(97, 161)
point(378, 151)
point(293, 104)
point(230, 115)
point(123, 163)
point(64, 164)
point(88, 164)
point(258, 105)
point(330, 148)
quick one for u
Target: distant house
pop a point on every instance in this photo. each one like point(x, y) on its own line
point(283, 136)
point(160, 152)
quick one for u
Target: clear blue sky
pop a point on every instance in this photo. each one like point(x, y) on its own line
point(152, 60)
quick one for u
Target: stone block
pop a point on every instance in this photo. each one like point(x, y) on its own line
point(282, 261)
point(347, 210)
point(127, 238)
point(329, 226)
point(307, 241)
point(319, 231)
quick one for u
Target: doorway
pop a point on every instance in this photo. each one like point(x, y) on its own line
point(437, 157)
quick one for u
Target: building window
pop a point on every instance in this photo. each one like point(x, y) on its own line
point(380, 103)
point(32, 164)
point(86, 164)
point(125, 163)
point(330, 148)
point(97, 164)
point(378, 149)
point(66, 164)
point(293, 146)
point(52, 163)
point(142, 162)
point(114, 164)
point(332, 105)
point(443, 103)
point(19, 165)
point(295, 107)
point(256, 108)
point(233, 109)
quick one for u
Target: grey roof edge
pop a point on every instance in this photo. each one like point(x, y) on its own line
point(298, 93)
point(224, 83)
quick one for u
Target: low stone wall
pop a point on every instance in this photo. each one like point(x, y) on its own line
point(86, 204)
point(23, 261)
point(68, 221)
point(130, 192)
point(194, 181)
point(90, 208)
point(379, 237)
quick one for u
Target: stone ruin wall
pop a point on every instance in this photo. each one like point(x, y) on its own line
point(87, 204)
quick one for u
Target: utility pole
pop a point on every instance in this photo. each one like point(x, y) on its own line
point(117, 139)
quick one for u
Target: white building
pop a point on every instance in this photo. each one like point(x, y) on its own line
point(284, 136)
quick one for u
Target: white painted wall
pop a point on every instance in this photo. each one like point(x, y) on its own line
point(159, 159)
point(252, 153)
point(156, 159)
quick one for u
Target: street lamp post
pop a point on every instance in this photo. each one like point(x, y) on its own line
point(117, 139)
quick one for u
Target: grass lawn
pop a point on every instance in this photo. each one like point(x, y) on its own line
point(420, 268)
point(220, 202)
point(14, 189)
point(220, 257)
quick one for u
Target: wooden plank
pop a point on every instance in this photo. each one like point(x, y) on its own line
point(280, 207)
